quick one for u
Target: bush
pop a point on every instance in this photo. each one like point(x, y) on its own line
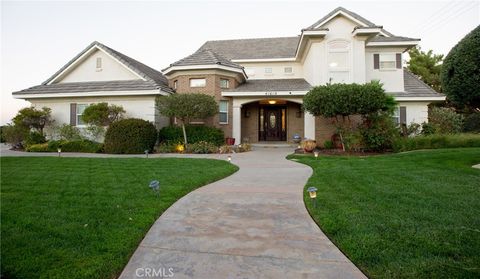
point(328, 144)
point(15, 135)
point(40, 147)
point(34, 138)
point(166, 148)
point(195, 133)
point(84, 146)
point(69, 132)
point(445, 120)
point(2, 136)
point(437, 141)
point(130, 136)
point(202, 147)
point(428, 129)
point(378, 132)
point(472, 123)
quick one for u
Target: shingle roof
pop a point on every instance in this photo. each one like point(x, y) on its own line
point(260, 48)
point(415, 87)
point(352, 14)
point(392, 39)
point(205, 57)
point(263, 85)
point(153, 78)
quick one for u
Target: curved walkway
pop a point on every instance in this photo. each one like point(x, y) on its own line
point(252, 224)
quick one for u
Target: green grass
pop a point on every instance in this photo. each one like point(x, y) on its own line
point(84, 217)
point(407, 215)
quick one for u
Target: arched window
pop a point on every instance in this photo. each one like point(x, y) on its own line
point(338, 61)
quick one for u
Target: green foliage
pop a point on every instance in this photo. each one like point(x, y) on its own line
point(187, 107)
point(461, 72)
point(95, 132)
point(130, 136)
point(15, 134)
point(40, 147)
point(32, 118)
point(437, 141)
point(102, 114)
point(69, 132)
point(2, 136)
point(196, 133)
point(472, 123)
point(83, 146)
point(328, 144)
point(426, 65)
point(166, 147)
point(378, 132)
point(34, 137)
point(335, 100)
point(445, 120)
point(201, 147)
point(428, 129)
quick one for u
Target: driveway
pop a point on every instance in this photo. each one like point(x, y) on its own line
point(252, 224)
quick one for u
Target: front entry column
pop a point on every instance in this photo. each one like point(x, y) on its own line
point(309, 125)
point(237, 123)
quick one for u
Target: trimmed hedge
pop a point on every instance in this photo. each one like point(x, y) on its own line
point(437, 141)
point(84, 146)
point(130, 136)
point(195, 134)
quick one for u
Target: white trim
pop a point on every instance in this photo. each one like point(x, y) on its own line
point(314, 32)
point(90, 94)
point(219, 112)
point(290, 59)
point(361, 31)
point(196, 67)
point(414, 99)
point(264, 93)
point(88, 52)
point(349, 17)
point(396, 43)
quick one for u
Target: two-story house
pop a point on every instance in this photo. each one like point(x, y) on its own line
point(259, 83)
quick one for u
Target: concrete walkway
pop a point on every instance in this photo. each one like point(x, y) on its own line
point(252, 224)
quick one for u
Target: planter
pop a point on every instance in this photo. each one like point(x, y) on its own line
point(308, 145)
point(230, 141)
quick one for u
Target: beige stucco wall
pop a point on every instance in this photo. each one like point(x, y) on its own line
point(87, 71)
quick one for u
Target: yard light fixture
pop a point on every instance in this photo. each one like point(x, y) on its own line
point(312, 191)
point(155, 186)
point(146, 153)
point(59, 150)
point(229, 158)
point(316, 154)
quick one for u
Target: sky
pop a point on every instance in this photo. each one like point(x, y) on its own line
point(38, 38)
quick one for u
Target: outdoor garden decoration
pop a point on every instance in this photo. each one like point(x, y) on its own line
point(312, 191)
point(155, 186)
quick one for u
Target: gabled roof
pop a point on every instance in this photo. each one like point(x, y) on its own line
point(415, 87)
point(139, 68)
point(363, 20)
point(205, 57)
point(392, 39)
point(265, 85)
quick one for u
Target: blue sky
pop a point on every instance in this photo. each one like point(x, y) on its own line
point(37, 38)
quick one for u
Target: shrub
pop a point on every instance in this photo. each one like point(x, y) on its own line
point(84, 146)
point(69, 132)
point(472, 123)
point(308, 145)
point(39, 147)
point(445, 120)
point(328, 144)
point(34, 138)
point(378, 132)
point(428, 129)
point(102, 114)
point(244, 147)
point(2, 136)
point(15, 134)
point(202, 147)
point(196, 133)
point(166, 148)
point(437, 141)
point(130, 136)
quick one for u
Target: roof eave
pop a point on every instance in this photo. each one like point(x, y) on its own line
point(172, 69)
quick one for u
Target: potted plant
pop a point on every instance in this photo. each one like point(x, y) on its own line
point(308, 145)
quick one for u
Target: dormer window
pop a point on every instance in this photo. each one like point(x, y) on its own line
point(99, 64)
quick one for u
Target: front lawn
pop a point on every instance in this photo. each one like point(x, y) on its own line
point(407, 215)
point(84, 217)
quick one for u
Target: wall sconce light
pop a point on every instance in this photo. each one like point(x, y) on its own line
point(312, 191)
point(272, 102)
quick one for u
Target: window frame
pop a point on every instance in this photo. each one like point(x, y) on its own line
point(79, 115)
point(98, 64)
point(220, 112)
point(227, 83)
point(396, 116)
point(197, 79)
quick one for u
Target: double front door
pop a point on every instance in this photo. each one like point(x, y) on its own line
point(272, 123)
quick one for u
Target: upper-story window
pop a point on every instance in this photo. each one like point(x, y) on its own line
point(338, 60)
point(387, 61)
point(268, 71)
point(198, 82)
point(224, 83)
point(288, 70)
point(98, 64)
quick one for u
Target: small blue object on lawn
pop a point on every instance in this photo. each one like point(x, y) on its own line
point(312, 191)
point(155, 185)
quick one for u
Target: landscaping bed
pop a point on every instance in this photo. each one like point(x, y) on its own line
point(407, 215)
point(84, 217)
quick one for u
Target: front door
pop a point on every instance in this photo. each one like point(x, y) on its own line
point(272, 123)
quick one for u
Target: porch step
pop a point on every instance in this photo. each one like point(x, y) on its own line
point(274, 145)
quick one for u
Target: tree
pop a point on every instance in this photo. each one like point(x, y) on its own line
point(187, 107)
point(32, 118)
point(426, 65)
point(15, 134)
point(102, 114)
point(461, 72)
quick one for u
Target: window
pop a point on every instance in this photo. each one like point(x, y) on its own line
point(396, 116)
point(99, 64)
point(250, 72)
point(288, 70)
point(223, 115)
point(175, 84)
point(338, 61)
point(80, 109)
point(198, 82)
point(224, 83)
point(268, 70)
point(387, 61)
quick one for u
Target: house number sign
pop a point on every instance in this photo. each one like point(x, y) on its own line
point(270, 93)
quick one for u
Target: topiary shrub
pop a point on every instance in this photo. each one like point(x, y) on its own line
point(130, 136)
point(472, 123)
point(196, 133)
